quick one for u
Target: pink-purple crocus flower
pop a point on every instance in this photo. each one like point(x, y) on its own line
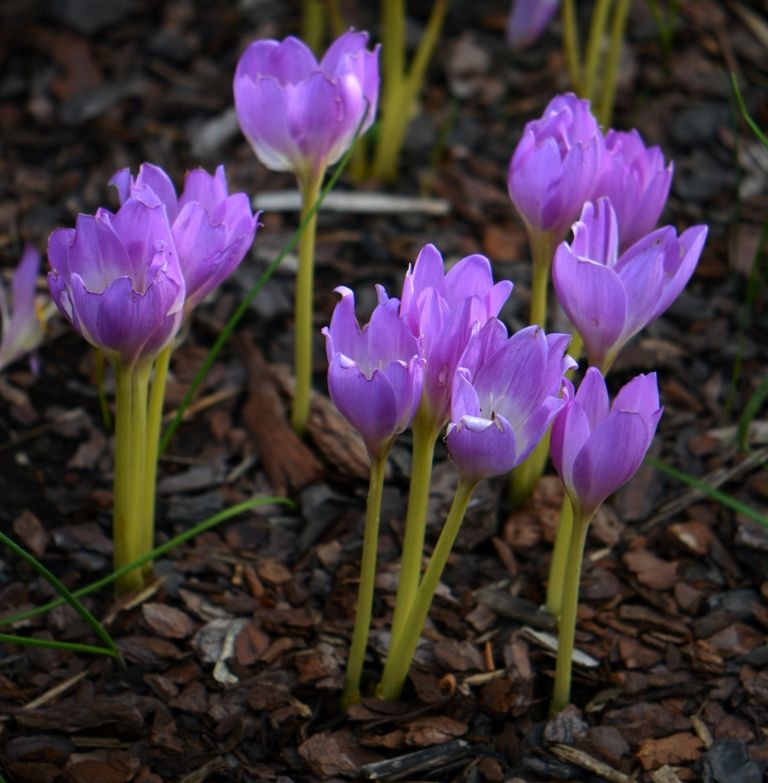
point(610, 297)
point(117, 279)
point(375, 372)
point(596, 447)
point(554, 166)
point(212, 229)
point(501, 409)
point(442, 310)
point(527, 20)
point(636, 180)
point(300, 115)
point(22, 322)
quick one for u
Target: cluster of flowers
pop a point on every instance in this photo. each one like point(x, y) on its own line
point(441, 354)
point(125, 281)
point(618, 273)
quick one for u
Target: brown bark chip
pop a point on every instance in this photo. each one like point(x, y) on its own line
point(675, 749)
point(168, 622)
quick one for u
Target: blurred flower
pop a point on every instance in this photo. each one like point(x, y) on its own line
point(596, 448)
point(553, 169)
point(501, 410)
point(116, 277)
point(527, 20)
point(374, 373)
point(212, 230)
point(442, 310)
point(636, 181)
point(299, 115)
point(23, 322)
point(610, 297)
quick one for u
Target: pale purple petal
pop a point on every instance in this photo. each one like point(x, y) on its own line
point(528, 19)
point(593, 298)
point(611, 456)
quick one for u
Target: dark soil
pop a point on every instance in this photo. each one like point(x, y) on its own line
point(235, 654)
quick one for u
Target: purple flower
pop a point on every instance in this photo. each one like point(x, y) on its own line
point(501, 410)
point(212, 230)
point(553, 169)
point(596, 448)
point(527, 20)
point(22, 321)
point(442, 310)
point(116, 277)
point(610, 297)
point(374, 373)
point(636, 180)
point(299, 115)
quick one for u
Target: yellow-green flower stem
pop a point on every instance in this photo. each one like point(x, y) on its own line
point(594, 44)
point(557, 566)
point(403, 88)
point(313, 24)
point(309, 186)
point(98, 372)
point(403, 647)
point(424, 438)
point(367, 581)
point(542, 249)
point(611, 67)
point(525, 477)
point(154, 425)
point(567, 625)
point(130, 453)
point(571, 44)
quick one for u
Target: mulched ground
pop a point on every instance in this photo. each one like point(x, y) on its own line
point(235, 655)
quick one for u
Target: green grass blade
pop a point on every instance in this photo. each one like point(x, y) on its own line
point(245, 303)
point(715, 494)
point(159, 551)
point(750, 411)
point(52, 644)
point(753, 126)
point(66, 595)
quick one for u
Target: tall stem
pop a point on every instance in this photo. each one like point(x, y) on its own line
point(524, 478)
point(424, 438)
point(594, 43)
point(130, 450)
point(310, 189)
point(403, 647)
point(154, 424)
point(542, 245)
point(611, 69)
point(313, 24)
point(571, 44)
point(557, 567)
point(367, 581)
point(397, 110)
point(567, 625)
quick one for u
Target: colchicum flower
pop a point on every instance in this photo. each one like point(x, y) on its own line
point(596, 447)
point(636, 180)
point(22, 321)
point(374, 373)
point(442, 310)
point(610, 297)
point(212, 229)
point(554, 166)
point(501, 411)
point(117, 279)
point(528, 19)
point(300, 115)
point(375, 379)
